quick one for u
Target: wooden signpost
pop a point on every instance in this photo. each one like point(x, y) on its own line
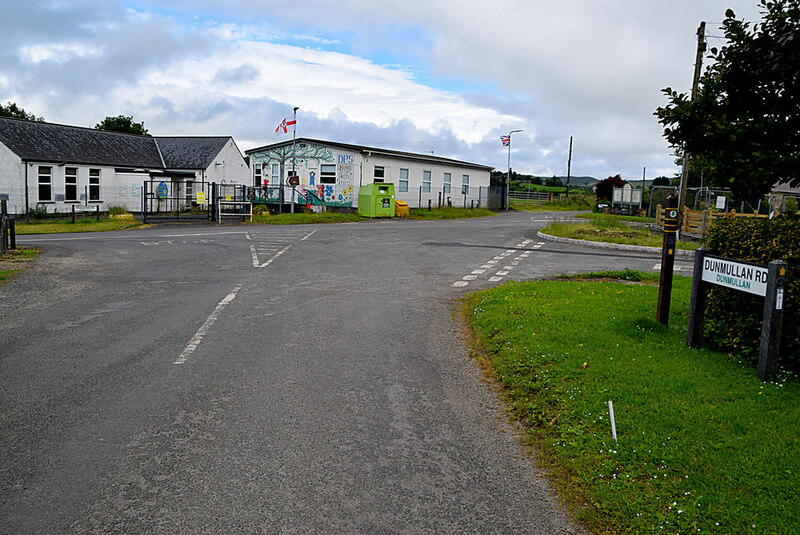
point(767, 281)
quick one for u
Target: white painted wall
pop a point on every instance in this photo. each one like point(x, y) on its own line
point(12, 180)
point(478, 181)
point(229, 165)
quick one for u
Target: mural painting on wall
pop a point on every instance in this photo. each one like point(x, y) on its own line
point(307, 160)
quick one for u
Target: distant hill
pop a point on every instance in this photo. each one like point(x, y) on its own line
point(574, 180)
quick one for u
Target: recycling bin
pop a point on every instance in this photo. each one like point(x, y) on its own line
point(376, 200)
point(401, 209)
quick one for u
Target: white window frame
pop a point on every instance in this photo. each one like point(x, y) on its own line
point(378, 171)
point(257, 176)
point(325, 174)
point(402, 183)
point(276, 174)
point(426, 181)
point(71, 183)
point(45, 182)
point(448, 180)
point(94, 185)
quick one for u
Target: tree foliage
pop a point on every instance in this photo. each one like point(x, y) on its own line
point(15, 112)
point(604, 189)
point(743, 128)
point(122, 123)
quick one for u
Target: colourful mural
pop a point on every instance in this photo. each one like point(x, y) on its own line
point(307, 160)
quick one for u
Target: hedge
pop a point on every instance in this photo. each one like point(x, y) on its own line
point(733, 318)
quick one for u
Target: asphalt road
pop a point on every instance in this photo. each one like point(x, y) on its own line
point(265, 379)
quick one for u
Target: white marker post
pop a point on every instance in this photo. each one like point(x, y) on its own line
point(613, 422)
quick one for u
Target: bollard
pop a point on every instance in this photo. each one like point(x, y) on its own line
point(429, 205)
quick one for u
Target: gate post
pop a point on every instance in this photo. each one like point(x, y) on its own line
point(773, 319)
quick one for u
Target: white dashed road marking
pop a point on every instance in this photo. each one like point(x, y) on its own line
point(201, 332)
point(492, 264)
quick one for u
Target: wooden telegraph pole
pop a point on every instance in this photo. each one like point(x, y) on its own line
point(569, 164)
point(698, 65)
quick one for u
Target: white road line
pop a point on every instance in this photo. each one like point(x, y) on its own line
point(249, 238)
point(201, 332)
point(495, 279)
point(469, 277)
point(460, 284)
point(307, 236)
point(502, 273)
point(271, 260)
point(478, 271)
point(487, 266)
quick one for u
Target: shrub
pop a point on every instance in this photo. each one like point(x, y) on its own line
point(260, 209)
point(733, 318)
point(116, 210)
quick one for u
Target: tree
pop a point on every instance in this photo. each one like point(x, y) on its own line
point(122, 123)
point(554, 182)
point(605, 188)
point(15, 112)
point(742, 130)
point(660, 181)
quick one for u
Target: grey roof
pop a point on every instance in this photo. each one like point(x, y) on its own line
point(190, 152)
point(377, 151)
point(48, 142)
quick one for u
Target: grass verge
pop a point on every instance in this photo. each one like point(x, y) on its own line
point(306, 218)
point(14, 257)
point(450, 213)
point(611, 217)
point(704, 446)
point(80, 225)
point(611, 231)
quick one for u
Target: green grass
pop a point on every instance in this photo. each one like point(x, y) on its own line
point(80, 225)
point(574, 203)
point(612, 217)
point(450, 213)
point(6, 272)
point(704, 446)
point(611, 231)
point(306, 218)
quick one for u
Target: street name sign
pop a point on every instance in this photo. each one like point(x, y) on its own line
point(741, 276)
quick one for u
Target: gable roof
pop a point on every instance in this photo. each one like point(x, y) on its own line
point(377, 152)
point(48, 142)
point(190, 152)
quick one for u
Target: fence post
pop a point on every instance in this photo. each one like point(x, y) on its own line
point(98, 213)
point(697, 308)
point(3, 226)
point(13, 232)
point(773, 319)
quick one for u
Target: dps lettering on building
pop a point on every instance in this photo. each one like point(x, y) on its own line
point(768, 282)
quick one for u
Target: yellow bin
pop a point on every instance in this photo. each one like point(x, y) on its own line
point(401, 209)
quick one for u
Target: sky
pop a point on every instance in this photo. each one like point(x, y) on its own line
point(447, 77)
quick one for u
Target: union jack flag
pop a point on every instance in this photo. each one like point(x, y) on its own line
point(506, 140)
point(284, 125)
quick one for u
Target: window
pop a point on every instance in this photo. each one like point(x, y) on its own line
point(465, 179)
point(327, 173)
point(94, 184)
point(257, 174)
point(403, 184)
point(465, 184)
point(426, 181)
point(276, 172)
point(447, 181)
point(378, 172)
point(71, 184)
point(45, 183)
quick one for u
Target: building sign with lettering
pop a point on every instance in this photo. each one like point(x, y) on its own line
point(750, 278)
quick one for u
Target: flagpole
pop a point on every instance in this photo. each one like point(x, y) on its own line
point(508, 177)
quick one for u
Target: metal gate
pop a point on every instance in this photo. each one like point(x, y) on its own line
point(178, 199)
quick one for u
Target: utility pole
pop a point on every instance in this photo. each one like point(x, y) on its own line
point(569, 164)
point(641, 199)
point(698, 65)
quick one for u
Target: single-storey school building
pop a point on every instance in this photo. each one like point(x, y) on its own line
point(53, 168)
point(334, 172)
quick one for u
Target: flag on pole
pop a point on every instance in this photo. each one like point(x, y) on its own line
point(284, 125)
point(506, 140)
